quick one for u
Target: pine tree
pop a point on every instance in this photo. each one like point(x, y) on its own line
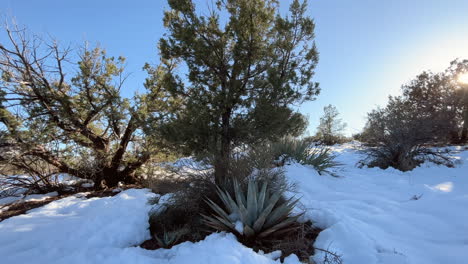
point(330, 129)
point(246, 67)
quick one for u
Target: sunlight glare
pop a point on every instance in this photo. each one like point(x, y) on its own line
point(463, 78)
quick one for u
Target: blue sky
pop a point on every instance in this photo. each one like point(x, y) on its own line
point(368, 48)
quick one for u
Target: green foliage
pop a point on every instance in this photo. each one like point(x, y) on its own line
point(244, 74)
point(290, 148)
point(321, 159)
point(170, 238)
point(70, 115)
point(260, 211)
point(429, 112)
point(303, 152)
point(397, 136)
point(330, 129)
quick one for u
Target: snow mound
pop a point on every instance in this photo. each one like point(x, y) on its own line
point(76, 230)
point(214, 249)
point(108, 230)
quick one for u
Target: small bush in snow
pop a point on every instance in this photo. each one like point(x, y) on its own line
point(255, 214)
point(257, 163)
point(303, 152)
point(400, 136)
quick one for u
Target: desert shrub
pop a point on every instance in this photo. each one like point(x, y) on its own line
point(178, 216)
point(191, 187)
point(163, 180)
point(300, 241)
point(398, 136)
point(321, 159)
point(182, 210)
point(304, 152)
point(257, 163)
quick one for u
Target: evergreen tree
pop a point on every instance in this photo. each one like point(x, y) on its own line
point(246, 66)
point(330, 129)
point(439, 98)
point(68, 115)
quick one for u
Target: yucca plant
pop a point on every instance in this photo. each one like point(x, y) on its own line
point(320, 158)
point(258, 214)
point(288, 148)
point(300, 150)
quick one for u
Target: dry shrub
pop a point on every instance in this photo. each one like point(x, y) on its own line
point(163, 181)
point(299, 242)
point(258, 163)
point(178, 219)
point(190, 187)
point(401, 135)
point(182, 211)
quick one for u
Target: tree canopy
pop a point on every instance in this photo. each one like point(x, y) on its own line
point(246, 67)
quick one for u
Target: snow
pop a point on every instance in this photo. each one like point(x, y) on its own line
point(388, 216)
point(239, 226)
point(107, 230)
point(368, 215)
point(77, 230)
point(27, 198)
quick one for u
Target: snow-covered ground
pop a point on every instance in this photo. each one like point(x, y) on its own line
point(369, 216)
point(389, 216)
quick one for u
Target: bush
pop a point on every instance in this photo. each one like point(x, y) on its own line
point(398, 136)
point(303, 152)
point(182, 210)
point(257, 163)
point(180, 219)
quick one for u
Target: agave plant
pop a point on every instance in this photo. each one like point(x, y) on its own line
point(170, 238)
point(257, 214)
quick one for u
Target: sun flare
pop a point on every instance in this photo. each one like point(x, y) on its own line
point(463, 78)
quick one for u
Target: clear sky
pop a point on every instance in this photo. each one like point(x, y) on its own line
point(368, 48)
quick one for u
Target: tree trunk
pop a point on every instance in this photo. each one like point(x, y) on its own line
point(454, 137)
point(110, 177)
point(464, 133)
point(223, 155)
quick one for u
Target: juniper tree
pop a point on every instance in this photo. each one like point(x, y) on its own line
point(66, 112)
point(246, 67)
point(439, 97)
point(429, 111)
